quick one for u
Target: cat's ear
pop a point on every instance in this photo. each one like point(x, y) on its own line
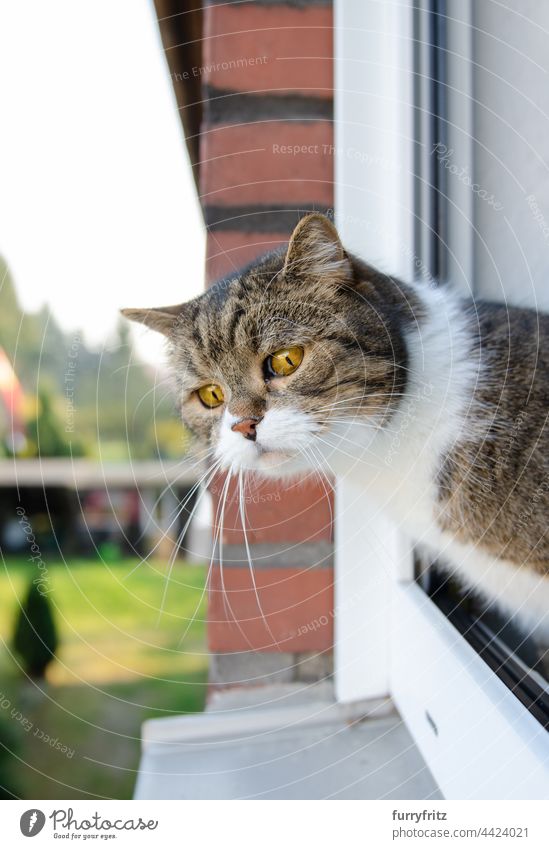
point(315, 250)
point(162, 319)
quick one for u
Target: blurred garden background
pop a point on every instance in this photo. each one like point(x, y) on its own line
point(76, 733)
point(100, 627)
point(63, 397)
point(94, 639)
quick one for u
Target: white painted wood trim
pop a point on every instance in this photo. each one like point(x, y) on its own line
point(486, 744)
point(461, 217)
point(247, 723)
point(374, 199)
point(365, 554)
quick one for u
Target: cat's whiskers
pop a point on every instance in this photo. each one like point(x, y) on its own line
point(207, 581)
point(326, 408)
point(361, 460)
point(177, 544)
point(180, 509)
point(226, 601)
point(188, 468)
point(415, 374)
point(359, 398)
point(309, 455)
point(217, 545)
point(353, 421)
point(249, 556)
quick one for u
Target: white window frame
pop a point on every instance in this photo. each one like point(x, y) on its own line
point(477, 738)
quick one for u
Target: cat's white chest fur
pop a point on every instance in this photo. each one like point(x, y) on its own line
point(397, 465)
point(407, 494)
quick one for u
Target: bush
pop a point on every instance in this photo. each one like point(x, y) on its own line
point(8, 744)
point(35, 637)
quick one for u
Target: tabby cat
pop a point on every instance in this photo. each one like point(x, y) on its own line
point(311, 358)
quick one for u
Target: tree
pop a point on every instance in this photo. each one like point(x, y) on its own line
point(35, 636)
point(118, 399)
point(45, 431)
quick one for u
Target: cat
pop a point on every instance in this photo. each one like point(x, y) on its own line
point(310, 358)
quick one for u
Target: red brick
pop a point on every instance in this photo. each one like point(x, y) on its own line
point(297, 604)
point(240, 168)
point(243, 164)
point(228, 251)
point(301, 512)
point(297, 46)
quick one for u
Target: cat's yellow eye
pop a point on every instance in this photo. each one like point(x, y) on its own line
point(211, 395)
point(285, 361)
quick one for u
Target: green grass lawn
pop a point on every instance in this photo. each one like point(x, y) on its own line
point(117, 664)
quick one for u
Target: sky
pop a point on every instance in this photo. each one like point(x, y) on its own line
point(98, 209)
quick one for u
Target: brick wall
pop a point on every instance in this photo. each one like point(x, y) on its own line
point(265, 159)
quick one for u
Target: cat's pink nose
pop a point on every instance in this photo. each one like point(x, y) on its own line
point(247, 427)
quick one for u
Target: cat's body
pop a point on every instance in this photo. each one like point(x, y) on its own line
point(464, 474)
point(437, 404)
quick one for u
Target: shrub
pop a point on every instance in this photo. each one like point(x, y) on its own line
point(8, 744)
point(35, 636)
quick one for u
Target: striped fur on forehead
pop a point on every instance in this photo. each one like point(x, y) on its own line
point(355, 325)
point(350, 320)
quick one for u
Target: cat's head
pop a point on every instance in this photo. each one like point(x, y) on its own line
point(271, 363)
